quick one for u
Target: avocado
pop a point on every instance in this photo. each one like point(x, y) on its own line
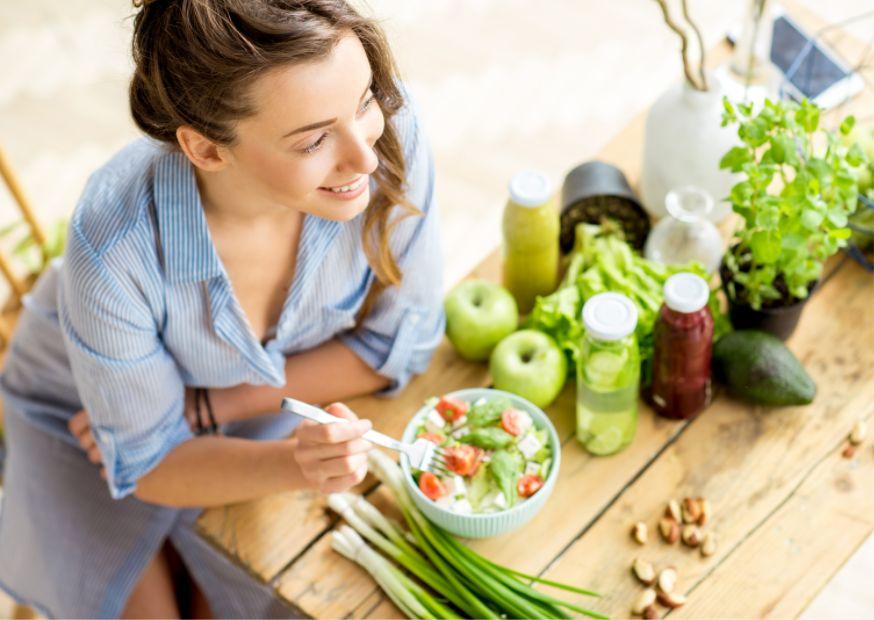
point(757, 367)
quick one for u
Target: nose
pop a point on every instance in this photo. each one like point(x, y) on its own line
point(358, 155)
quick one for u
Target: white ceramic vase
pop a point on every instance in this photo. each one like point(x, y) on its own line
point(683, 144)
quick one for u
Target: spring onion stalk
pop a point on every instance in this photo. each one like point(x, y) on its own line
point(347, 542)
point(488, 589)
point(344, 504)
point(370, 514)
point(509, 578)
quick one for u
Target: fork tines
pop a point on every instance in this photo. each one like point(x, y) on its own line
point(437, 464)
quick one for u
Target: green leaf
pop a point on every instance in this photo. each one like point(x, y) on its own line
point(855, 155)
point(504, 468)
point(765, 245)
point(808, 116)
point(811, 219)
point(838, 218)
point(487, 413)
point(847, 125)
point(489, 438)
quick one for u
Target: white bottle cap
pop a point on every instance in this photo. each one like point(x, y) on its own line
point(609, 316)
point(686, 292)
point(529, 188)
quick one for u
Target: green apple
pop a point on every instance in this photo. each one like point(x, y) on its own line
point(530, 364)
point(479, 314)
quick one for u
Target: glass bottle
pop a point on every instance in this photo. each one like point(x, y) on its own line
point(608, 374)
point(686, 234)
point(531, 229)
point(683, 342)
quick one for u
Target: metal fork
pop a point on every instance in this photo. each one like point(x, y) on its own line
point(422, 454)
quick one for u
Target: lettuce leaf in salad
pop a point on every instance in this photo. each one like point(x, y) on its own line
point(544, 452)
point(479, 486)
point(505, 468)
point(489, 438)
point(489, 412)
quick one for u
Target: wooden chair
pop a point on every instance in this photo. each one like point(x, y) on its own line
point(18, 288)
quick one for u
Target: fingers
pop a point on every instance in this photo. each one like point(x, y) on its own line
point(307, 453)
point(311, 432)
point(79, 423)
point(343, 466)
point(80, 426)
point(340, 410)
point(338, 485)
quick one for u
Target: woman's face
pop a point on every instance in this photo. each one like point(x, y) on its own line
point(309, 147)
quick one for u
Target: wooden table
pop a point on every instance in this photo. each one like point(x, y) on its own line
point(788, 508)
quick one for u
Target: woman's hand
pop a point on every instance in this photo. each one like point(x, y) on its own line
point(80, 427)
point(333, 457)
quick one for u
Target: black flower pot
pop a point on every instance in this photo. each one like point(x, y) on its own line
point(780, 321)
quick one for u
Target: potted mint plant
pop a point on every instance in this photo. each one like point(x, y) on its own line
point(797, 190)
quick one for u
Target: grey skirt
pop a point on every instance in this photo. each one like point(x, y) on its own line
point(69, 550)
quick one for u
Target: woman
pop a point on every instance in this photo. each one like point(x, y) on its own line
point(275, 234)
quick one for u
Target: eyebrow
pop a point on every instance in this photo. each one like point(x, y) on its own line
point(330, 121)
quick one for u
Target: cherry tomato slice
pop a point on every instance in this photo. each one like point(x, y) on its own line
point(431, 486)
point(529, 484)
point(511, 421)
point(464, 460)
point(451, 408)
point(436, 438)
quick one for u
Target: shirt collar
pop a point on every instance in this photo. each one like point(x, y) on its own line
point(189, 253)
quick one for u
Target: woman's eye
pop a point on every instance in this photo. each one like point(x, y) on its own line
point(367, 103)
point(312, 148)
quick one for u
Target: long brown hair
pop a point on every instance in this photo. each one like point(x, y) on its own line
point(195, 60)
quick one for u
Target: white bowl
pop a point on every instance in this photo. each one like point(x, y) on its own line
point(493, 523)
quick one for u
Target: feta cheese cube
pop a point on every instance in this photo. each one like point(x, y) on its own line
point(500, 501)
point(462, 507)
point(459, 433)
point(525, 421)
point(460, 422)
point(434, 422)
point(532, 468)
point(458, 486)
point(481, 401)
point(529, 445)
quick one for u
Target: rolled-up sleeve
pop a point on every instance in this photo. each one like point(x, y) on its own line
point(127, 380)
point(399, 336)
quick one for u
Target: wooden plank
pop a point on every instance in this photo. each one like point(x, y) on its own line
point(746, 460)
point(822, 522)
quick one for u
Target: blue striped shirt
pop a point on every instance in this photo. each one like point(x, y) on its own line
point(141, 306)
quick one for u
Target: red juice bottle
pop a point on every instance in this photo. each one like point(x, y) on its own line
point(683, 342)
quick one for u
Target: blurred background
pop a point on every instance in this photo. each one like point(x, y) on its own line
point(502, 84)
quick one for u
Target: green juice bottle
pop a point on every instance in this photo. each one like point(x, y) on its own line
point(608, 374)
point(531, 229)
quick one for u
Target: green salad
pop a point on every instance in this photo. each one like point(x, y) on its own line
point(495, 455)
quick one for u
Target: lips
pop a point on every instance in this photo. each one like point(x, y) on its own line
point(349, 191)
point(348, 187)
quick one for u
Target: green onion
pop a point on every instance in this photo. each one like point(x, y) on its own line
point(464, 582)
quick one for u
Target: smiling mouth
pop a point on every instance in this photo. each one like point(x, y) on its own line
point(349, 187)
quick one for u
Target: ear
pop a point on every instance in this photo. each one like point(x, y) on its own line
point(203, 152)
